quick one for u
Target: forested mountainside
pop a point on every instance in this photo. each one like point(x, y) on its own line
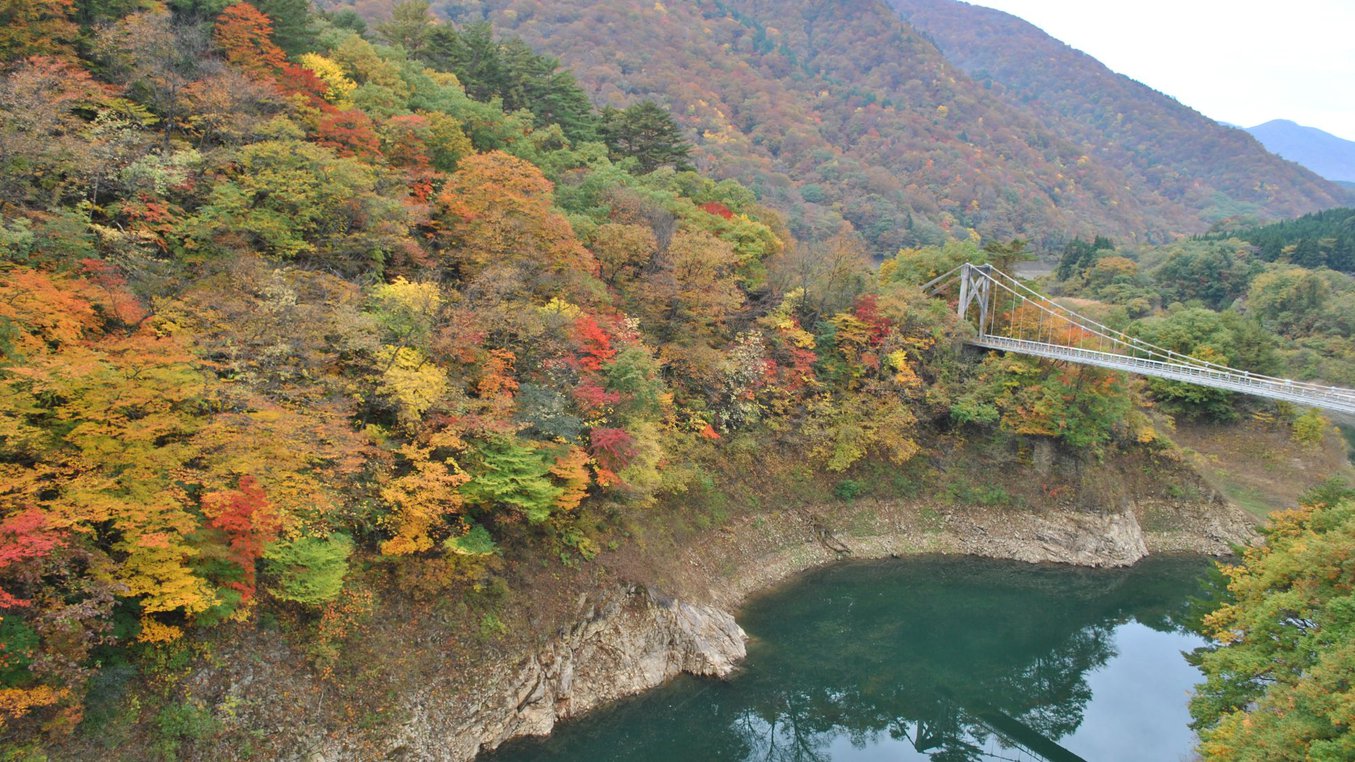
point(312, 331)
point(1180, 162)
point(841, 110)
point(293, 325)
point(1322, 152)
point(829, 112)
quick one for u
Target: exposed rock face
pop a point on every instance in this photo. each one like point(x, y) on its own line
point(1065, 537)
point(628, 641)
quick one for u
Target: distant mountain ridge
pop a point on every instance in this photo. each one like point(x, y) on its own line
point(1322, 152)
point(913, 133)
point(1177, 152)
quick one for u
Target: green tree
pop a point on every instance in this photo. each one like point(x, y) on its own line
point(292, 30)
point(1078, 255)
point(1225, 338)
point(917, 266)
point(291, 199)
point(1213, 272)
point(92, 11)
point(1290, 300)
point(647, 133)
point(409, 26)
point(196, 10)
point(507, 69)
point(509, 473)
point(308, 570)
point(1004, 256)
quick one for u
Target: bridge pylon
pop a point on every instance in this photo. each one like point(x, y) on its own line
point(976, 283)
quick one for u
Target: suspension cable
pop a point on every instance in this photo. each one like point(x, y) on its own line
point(1117, 337)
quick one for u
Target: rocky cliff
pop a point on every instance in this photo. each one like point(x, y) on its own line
point(627, 640)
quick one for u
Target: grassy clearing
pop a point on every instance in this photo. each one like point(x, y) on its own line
point(1258, 466)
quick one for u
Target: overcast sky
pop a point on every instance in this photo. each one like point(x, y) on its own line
point(1239, 61)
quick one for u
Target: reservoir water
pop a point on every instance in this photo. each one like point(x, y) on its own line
point(929, 658)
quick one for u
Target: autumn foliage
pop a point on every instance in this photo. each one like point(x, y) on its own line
point(25, 537)
point(249, 523)
point(36, 28)
point(497, 211)
point(276, 334)
point(245, 37)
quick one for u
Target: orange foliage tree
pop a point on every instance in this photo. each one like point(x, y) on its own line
point(497, 209)
point(246, 38)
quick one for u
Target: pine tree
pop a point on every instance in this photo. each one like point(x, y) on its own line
point(408, 27)
point(647, 133)
point(291, 24)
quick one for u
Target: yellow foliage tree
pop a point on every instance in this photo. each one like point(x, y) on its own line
point(338, 87)
point(103, 426)
point(16, 702)
point(571, 468)
point(410, 381)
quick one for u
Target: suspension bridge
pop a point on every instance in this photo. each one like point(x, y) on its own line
point(1013, 317)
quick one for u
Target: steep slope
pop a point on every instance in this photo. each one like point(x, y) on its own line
point(1322, 152)
point(1169, 150)
point(840, 110)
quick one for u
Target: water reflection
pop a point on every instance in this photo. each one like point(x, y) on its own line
point(933, 659)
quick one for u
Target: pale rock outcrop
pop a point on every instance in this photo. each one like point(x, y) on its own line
point(1064, 537)
point(628, 640)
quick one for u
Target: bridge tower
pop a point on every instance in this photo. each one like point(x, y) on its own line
point(976, 283)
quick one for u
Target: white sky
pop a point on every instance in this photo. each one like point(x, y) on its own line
point(1239, 61)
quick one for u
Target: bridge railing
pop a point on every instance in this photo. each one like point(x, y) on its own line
point(1329, 398)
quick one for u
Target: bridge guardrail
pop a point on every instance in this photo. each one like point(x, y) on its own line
point(1328, 398)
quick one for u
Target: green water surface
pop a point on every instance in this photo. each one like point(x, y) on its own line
point(929, 659)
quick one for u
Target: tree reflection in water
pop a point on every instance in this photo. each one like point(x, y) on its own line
point(955, 659)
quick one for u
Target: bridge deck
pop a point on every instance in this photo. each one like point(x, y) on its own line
point(1327, 398)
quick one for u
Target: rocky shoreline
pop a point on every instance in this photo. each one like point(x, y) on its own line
point(630, 638)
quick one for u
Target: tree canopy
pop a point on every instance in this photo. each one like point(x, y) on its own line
point(1278, 682)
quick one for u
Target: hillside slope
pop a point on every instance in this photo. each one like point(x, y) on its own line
point(1170, 151)
point(831, 112)
point(842, 110)
point(1322, 152)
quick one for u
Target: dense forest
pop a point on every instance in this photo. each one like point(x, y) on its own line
point(1274, 299)
point(1324, 239)
point(302, 315)
point(290, 318)
point(842, 111)
point(1278, 681)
